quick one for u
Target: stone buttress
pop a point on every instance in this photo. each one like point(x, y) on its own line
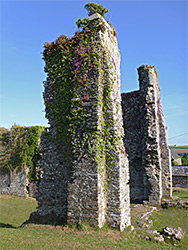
point(146, 140)
point(88, 182)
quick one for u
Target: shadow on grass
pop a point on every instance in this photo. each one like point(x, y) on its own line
point(6, 225)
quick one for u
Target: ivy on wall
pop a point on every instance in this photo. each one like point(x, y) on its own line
point(20, 150)
point(72, 64)
point(79, 75)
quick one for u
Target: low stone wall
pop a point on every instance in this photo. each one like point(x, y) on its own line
point(180, 176)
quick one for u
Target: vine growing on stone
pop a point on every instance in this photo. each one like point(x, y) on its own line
point(78, 71)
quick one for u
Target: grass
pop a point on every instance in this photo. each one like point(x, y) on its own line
point(15, 210)
point(182, 193)
point(172, 217)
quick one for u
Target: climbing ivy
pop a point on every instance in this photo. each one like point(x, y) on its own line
point(79, 72)
point(73, 65)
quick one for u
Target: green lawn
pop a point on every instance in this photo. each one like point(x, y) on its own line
point(15, 210)
point(182, 193)
point(172, 217)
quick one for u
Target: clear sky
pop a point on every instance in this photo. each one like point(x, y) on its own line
point(148, 32)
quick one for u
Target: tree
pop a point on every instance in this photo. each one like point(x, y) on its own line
point(93, 8)
point(185, 161)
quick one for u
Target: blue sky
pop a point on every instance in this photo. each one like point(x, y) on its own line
point(148, 32)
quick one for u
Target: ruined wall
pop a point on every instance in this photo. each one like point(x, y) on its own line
point(133, 112)
point(4, 181)
point(180, 176)
point(146, 140)
point(18, 184)
point(52, 191)
point(85, 166)
point(117, 174)
point(19, 155)
point(165, 155)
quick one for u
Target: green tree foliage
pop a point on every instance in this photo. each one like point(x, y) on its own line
point(19, 149)
point(184, 158)
point(4, 141)
point(185, 155)
point(185, 161)
point(93, 8)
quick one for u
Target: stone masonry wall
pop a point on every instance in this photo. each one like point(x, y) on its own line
point(146, 140)
point(118, 204)
point(180, 176)
point(133, 145)
point(88, 199)
point(53, 187)
point(75, 186)
point(165, 155)
point(19, 154)
point(18, 184)
point(4, 181)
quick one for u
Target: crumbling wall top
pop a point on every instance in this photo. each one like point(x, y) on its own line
point(146, 66)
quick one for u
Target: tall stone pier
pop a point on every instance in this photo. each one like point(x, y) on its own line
point(84, 163)
point(146, 140)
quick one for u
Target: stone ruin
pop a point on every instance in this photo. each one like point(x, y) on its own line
point(76, 187)
point(180, 176)
point(146, 140)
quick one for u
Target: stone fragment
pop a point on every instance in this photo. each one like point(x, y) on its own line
point(145, 202)
point(159, 238)
point(149, 223)
point(175, 197)
point(173, 232)
point(179, 233)
point(147, 237)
